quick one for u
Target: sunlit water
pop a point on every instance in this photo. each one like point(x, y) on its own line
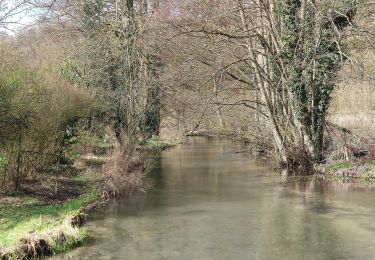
point(209, 202)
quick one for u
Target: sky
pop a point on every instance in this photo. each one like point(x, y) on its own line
point(16, 19)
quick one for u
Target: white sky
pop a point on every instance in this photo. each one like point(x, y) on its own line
point(16, 18)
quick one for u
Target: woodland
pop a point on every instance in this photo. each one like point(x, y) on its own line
point(105, 85)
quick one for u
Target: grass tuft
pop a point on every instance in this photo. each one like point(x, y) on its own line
point(155, 144)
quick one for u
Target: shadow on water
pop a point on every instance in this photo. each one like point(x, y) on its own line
point(209, 202)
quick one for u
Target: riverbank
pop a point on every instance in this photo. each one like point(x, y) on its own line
point(349, 171)
point(46, 216)
point(359, 167)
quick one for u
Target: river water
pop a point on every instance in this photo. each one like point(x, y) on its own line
point(209, 202)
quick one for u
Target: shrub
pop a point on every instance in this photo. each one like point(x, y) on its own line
point(38, 109)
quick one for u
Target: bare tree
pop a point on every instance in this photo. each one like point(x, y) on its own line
point(285, 53)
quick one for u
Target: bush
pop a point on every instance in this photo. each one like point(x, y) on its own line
point(38, 107)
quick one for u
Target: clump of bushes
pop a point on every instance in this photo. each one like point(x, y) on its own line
point(37, 110)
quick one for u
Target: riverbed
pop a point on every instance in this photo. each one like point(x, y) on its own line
point(210, 201)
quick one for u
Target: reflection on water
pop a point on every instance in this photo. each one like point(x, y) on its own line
point(209, 202)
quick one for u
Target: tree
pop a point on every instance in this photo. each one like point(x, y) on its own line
point(115, 64)
point(286, 53)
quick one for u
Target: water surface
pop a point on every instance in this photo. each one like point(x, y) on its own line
point(209, 202)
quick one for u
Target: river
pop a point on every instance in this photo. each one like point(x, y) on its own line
point(209, 202)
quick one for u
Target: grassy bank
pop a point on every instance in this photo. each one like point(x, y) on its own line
point(349, 171)
point(30, 216)
point(46, 216)
point(30, 229)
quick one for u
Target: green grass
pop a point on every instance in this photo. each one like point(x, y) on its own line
point(17, 221)
point(339, 166)
point(372, 163)
point(155, 144)
point(364, 171)
point(368, 177)
point(71, 242)
point(346, 165)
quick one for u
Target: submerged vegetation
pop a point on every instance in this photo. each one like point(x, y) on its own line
point(91, 90)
